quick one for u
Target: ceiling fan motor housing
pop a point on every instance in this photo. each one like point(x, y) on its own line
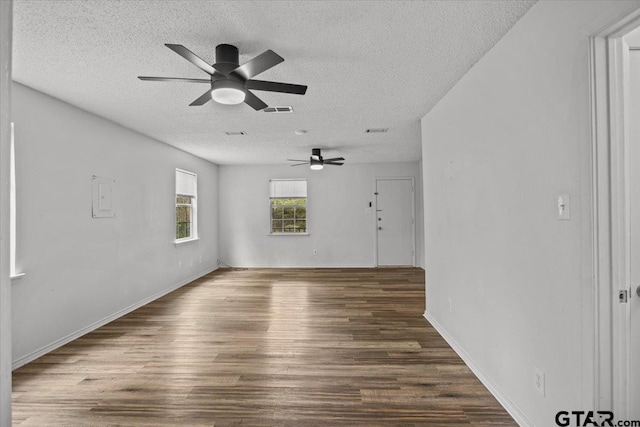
point(227, 57)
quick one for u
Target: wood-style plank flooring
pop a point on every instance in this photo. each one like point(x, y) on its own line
point(263, 347)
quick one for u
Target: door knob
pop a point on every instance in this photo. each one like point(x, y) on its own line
point(638, 291)
point(379, 228)
point(379, 219)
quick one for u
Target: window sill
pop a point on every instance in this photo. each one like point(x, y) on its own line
point(17, 276)
point(288, 234)
point(180, 242)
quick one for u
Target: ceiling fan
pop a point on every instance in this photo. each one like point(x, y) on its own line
point(231, 82)
point(317, 162)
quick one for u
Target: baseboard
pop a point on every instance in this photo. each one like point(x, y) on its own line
point(304, 266)
point(506, 403)
point(80, 332)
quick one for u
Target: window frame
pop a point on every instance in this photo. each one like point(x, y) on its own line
point(193, 217)
point(288, 233)
point(273, 196)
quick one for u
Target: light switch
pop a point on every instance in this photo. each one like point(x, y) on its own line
point(104, 196)
point(564, 206)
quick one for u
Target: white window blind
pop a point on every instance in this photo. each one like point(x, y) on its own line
point(186, 183)
point(288, 188)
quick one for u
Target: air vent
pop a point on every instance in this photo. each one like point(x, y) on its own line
point(287, 109)
point(236, 133)
point(377, 130)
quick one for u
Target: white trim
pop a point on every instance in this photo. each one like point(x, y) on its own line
point(12, 204)
point(17, 276)
point(272, 267)
point(21, 361)
point(500, 396)
point(185, 240)
point(610, 251)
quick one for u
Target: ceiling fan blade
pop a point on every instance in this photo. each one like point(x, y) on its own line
point(191, 57)
point(300, 164)
point(335, 159)
point(333, 163)
point(254, 102)
point(173, 79)
point(257, 65)
point(297, 160)
point(204, 98)
point(276, 87)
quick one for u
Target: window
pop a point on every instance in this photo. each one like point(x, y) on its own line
point(288, 203)
point(186, 218)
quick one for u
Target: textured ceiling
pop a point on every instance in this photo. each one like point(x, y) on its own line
point(381, 64)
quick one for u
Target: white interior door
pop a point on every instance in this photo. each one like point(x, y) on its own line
point(395, 222)
point(633, 165)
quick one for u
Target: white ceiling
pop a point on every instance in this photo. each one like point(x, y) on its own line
point(381, 64)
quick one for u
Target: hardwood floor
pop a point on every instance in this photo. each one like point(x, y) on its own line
point(263, 347)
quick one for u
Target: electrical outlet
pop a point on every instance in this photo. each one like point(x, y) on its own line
point(538, 381)
point(200, 259)
point(450, 305)
point(315, 252)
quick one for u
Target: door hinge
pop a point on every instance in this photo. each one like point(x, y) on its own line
point(623, 296)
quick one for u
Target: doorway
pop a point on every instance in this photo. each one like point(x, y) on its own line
point(633, 213)
point(395, 222)
point(615, 96)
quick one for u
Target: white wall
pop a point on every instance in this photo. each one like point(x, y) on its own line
point(6, 8)
point(81, 270)
point(498, 149)
point(338, 225)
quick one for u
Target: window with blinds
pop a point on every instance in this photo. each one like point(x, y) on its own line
point(186, 192)
point(288, 202)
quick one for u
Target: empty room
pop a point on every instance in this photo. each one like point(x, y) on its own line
point(322, 213)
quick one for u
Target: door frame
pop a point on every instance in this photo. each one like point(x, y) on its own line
point(413, 214)
point(608, 58)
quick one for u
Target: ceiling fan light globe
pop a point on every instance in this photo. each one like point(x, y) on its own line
point(316, 164)
point(228, 96)
point(228, 92)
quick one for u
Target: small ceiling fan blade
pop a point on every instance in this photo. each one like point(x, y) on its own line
point(276, 87)
point(173, 79)
point(335, 159)
point(204, 98)
point(254, 102)
point(257, 65)
point(300, 164)
point(333, 163)
point(191, 57)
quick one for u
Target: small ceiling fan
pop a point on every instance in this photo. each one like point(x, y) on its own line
point(317, 162)
point(230, 82)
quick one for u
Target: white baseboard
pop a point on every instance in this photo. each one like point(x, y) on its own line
point(80, 332)
point(301, 266)
point(506, 403)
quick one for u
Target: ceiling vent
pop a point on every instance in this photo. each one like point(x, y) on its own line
point(236, 133)
point(377, 130)
point(287, 109)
